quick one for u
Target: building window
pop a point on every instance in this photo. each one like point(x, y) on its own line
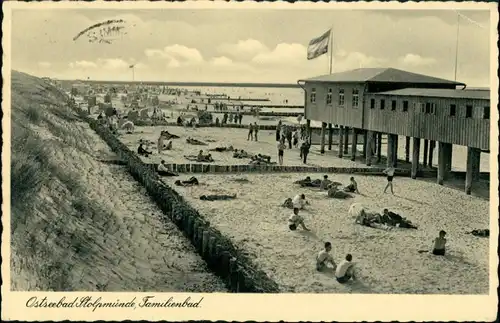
point(453, 110)
point(419, 107)
point(372, 104)
point(329, 97)
point(313, 95)
point(355, 98)
point(405, 106)
point(382, 104)
point(393, 105)
point(486, 112)
point(468, 111)
point(430, 108)
point(341, 97)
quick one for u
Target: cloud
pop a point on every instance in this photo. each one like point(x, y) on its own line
point(44, 64)
point(347, 61)
point(176, 55)
point(83, 64)
point(112, 63)
point(243, 49)
point(282, 54)
point(416, 60)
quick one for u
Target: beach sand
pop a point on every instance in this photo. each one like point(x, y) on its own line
point(388, 260)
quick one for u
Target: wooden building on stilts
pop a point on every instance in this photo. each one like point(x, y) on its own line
point(372, 102)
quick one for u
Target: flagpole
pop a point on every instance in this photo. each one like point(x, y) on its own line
point(331, 50)
point(456, 48)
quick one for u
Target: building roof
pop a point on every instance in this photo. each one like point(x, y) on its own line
point(441, 93)
point(391, 75)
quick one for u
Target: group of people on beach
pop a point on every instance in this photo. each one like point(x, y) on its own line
point(286, 134)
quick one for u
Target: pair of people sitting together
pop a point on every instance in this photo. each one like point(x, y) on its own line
point(344, 271)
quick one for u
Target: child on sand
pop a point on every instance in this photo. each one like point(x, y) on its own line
point(345, 270)
point(324, 257)
point(390, 175)
point(440, 244)
point(295, 220)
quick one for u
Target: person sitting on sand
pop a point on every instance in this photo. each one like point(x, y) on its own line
point(299, 201)
point(217, 197)
point(371, 220)
point(324, 257)
point(190, 182)
point(345, 270)
point(440, 244)
point(143, 152)
point(164, 171)
point(325, 183)
point(179, 121)
point(334, 192)
point(168, 146)
point(288, 203)
point(352, 187)
point(295, 220)
point(200, 156)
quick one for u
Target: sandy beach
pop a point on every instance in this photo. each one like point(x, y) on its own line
point(388, 261)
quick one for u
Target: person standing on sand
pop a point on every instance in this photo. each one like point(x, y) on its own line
point(278, 131)
point(390, 175)
point(160, 143)
point(250, 132)
point(304, 151)
point(324, 257)
point(255, 130)
point(289, 137)
point(281, 151)
point(345, 270)
point(240, 117)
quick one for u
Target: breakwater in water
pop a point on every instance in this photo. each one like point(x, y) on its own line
point(222, 257)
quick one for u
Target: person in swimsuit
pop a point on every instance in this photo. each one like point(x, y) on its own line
point(295, 220)
point(281, 151)
point(352, 187)
point(324, 257)
point(440, 244)
point(390, 175)
point(345, 270)
point(325, 183)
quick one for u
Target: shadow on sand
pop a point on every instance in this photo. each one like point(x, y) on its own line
point(354, 286)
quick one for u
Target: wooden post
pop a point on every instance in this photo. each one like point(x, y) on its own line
point(365, 139)
point(354, 143)
point(432, 145)
point(444, 161)
point(390, 150)
point(211, 251)
point(308, 129)
point(224, 263)
point(476, 170)
point(369, 148)
point(346, 140)
point(395, 140)
point(415, 157)
point(233, 275)
point(407, 149)
point(330, 136)
point(426, 150)
point(322, 142)
point(204, 244)
point(341, 141)
point(472, 166)
point(379, 147)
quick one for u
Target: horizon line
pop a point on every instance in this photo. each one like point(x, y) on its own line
point(201, 84)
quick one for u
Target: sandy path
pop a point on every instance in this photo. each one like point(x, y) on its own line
point(388, 261)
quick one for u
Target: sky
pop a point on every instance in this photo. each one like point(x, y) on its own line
point(231, 45)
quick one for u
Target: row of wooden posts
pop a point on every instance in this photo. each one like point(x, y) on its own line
point(239, 274)
point(372, 145)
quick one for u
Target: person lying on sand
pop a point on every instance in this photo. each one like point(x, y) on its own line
point(190, 182)
point(241, 154)
point(193, 141)
point(167, 135)
point(335, 193)
point(371, 220)
point(345, 270)
point(396, 220)
point(164, 171)
point(303, 181)
point(480, 233)
point(324, 257)
point(352, 187)
point(143, 152)
point(217, 197)
point(325, 183)
point(295, 220)
point(222, 149)
point(299, 201)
